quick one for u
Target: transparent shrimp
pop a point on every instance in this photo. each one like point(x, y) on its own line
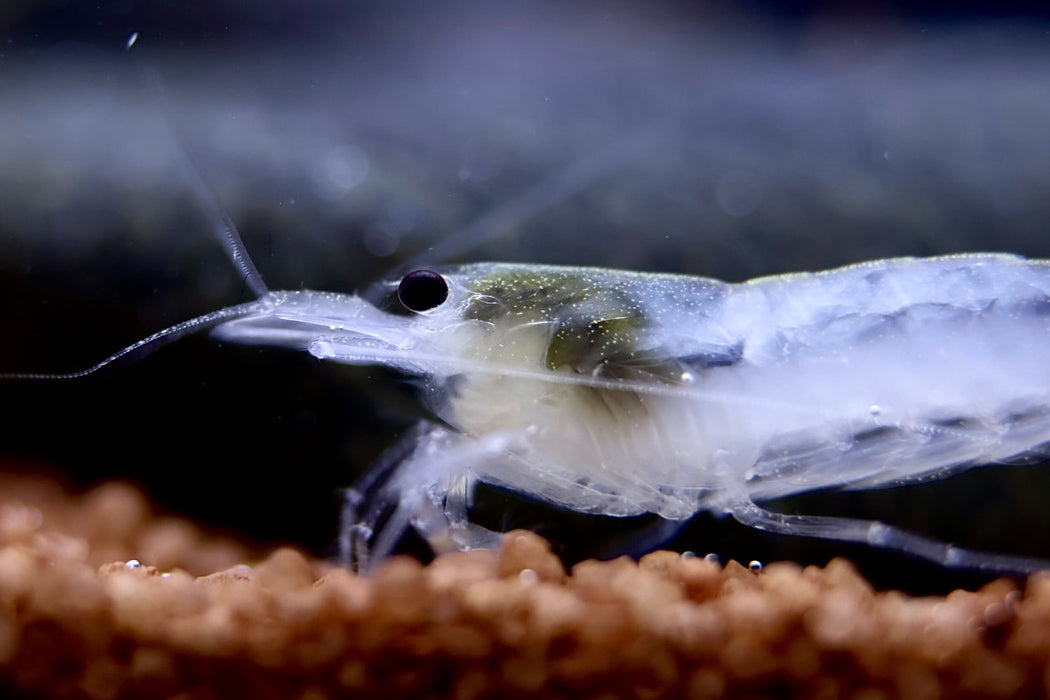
point(621, 393)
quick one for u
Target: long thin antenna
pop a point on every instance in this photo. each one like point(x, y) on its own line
point(573, 179)
point(227, 234)
point(222, 226)
point(141, 348)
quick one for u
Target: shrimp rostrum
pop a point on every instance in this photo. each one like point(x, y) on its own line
point(622, 393)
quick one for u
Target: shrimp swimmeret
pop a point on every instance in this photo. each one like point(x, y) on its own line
point(621, 393)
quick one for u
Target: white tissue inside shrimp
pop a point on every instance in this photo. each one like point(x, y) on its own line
point(929, 389)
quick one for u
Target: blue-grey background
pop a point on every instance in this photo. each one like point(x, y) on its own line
point(720, 139)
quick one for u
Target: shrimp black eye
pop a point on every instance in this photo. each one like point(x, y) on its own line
point(422, 290)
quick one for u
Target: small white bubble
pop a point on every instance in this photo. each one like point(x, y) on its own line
point(688, 554)
point(713, 558)
point(528, 576)
point(755, 566)
point(131, 40)
point(687, 378)
point(875, 410)
point(132, 564)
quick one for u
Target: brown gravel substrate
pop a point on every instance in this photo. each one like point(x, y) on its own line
point(77, 621)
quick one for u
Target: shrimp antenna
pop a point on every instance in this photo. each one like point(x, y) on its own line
point(576, 177)
point(225, 231)
point(143, 347)
point(222, 225)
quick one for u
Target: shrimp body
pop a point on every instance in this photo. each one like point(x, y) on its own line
point(622, 393)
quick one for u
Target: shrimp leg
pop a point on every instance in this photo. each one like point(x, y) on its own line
point(878, 534)
point(425, 483)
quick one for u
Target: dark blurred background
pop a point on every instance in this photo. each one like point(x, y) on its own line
point(727, 139)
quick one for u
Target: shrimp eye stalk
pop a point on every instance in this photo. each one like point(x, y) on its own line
point(422, 290)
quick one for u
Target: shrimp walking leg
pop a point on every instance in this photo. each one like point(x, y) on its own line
point(878, 534)
point(427, 487)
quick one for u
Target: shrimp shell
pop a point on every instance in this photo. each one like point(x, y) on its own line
point(621, 393)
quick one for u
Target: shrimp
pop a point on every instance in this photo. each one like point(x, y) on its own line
point(621, 393)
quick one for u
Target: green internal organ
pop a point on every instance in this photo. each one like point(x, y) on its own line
point(596, 329)
point(602, 344)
